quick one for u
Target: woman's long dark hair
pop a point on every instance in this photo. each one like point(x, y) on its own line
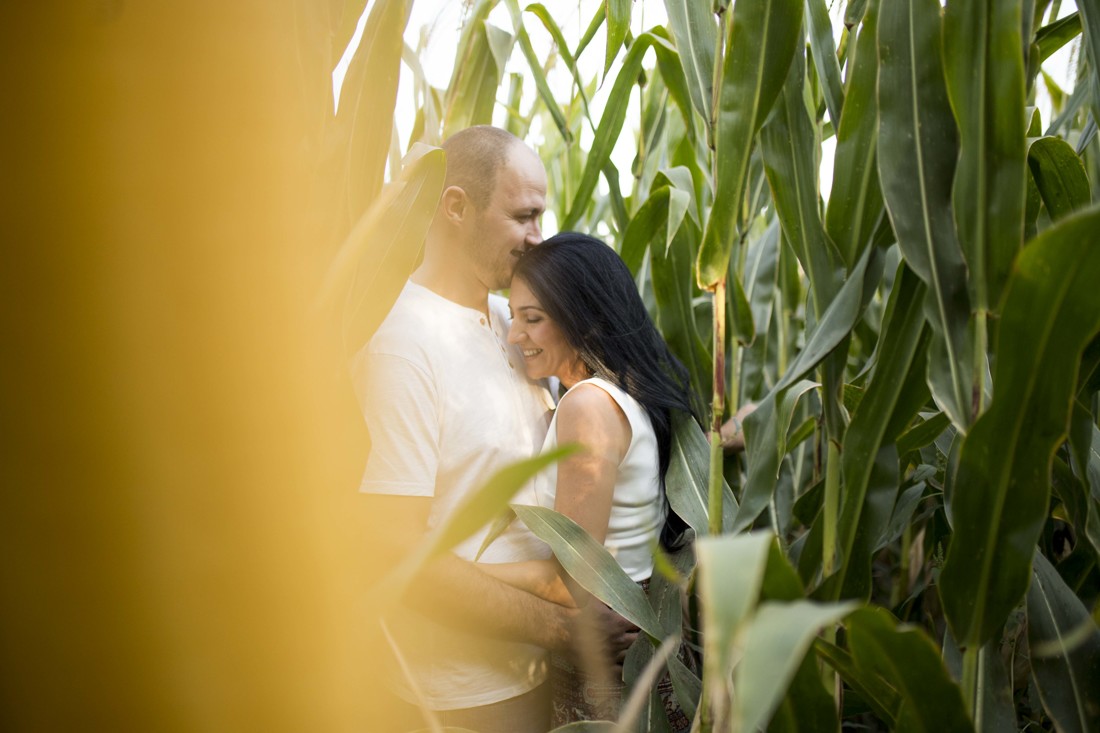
point(585, 287)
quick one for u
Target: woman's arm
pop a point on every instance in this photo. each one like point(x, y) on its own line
point(590, 417)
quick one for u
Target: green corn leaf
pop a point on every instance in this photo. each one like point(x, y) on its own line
point(383, 247)
point(1065, 651)
point(1050, 38)
point(687, 478)
point(854, 12)
point(865, 513)
point(762, 40)
point(1071, 108)
point(765, 444)
point(679, 177)
point(367, 101)
point(609, 128)
point(668, 61)
point(652, 136)
point(696, 35)
point(781, 582)
point(475, 511)
point(644, 228)
point(671, 275)
point(902, 515)
point(832, 328)
point(496, 529)
point(686, 685)
point(1051, 312)
point(1090, 370)
point(1084, 438)
point(1090, 23)
point(591, 565)
point(467, 89)
point(907, 660)
point(1087, 136)
point(855, 199)
point(478, 13)
point(1067, 486)
point(807, 706)
point(985, 80)
point(760, 276)
point(644, 690)
point(614, 196)
point(668, 585)
point(731, 571)
point(515, 123)
point(923, 433)
point(776, 641)
point(1057, 94)
point(994, 709)
point(618, 24)
point(739, 313)
point(1033, 205)
point(678, 203)
point(533, 62)
point(882, 698)
point(787, 144)
point(916, 159)
point(1035, 122)
point(540, 12)
point(591, 30)
point(823, 48)
point(473, 91)
point(1059, 176)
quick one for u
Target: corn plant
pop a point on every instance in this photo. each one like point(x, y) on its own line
point(911, 539)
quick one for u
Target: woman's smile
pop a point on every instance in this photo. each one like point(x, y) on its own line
point(545, 349)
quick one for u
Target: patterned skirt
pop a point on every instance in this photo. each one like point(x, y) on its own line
point(580, 695)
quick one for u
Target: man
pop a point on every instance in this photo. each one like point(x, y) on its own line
point(447, 404)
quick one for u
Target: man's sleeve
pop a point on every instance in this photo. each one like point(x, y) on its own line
point(399, 403)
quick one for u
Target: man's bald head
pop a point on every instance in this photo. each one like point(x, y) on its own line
point(474, 157)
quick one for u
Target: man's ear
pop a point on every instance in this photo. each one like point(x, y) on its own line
point(454, 204)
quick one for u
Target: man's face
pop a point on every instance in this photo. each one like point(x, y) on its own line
point(510, 221)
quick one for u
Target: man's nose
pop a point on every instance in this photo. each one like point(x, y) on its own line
point(534, 234)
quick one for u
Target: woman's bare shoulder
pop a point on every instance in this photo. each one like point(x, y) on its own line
point(588, 413)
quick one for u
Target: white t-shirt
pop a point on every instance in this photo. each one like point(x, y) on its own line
point(637, 505)
point(448, 404)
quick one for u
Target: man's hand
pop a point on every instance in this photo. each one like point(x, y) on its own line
point(455, 592)
point(732, 432)
point(619, 633)
point(598, 640)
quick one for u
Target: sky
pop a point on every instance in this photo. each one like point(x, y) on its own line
point(435, 25)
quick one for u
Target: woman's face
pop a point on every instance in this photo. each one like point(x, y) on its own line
point(545, 350)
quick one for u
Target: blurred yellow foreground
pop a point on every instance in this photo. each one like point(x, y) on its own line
point(179, 530)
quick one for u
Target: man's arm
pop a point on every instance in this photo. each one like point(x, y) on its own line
point(542, 578)
point(455, 592)
point(732, 432)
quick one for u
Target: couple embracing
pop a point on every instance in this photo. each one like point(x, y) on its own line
point(453, 387)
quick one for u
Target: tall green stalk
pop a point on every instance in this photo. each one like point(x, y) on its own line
point(717, 407)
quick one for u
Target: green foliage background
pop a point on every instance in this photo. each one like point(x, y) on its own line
point(911, 538)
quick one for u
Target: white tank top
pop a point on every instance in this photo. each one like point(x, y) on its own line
point(637, 504)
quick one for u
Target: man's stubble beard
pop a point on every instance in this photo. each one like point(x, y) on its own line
point(494, 268)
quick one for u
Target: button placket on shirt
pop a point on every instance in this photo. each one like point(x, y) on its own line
point(499, 341)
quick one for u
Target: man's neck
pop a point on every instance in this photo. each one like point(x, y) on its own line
point(453, 283)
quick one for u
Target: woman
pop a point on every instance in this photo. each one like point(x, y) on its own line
point(577, 316)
